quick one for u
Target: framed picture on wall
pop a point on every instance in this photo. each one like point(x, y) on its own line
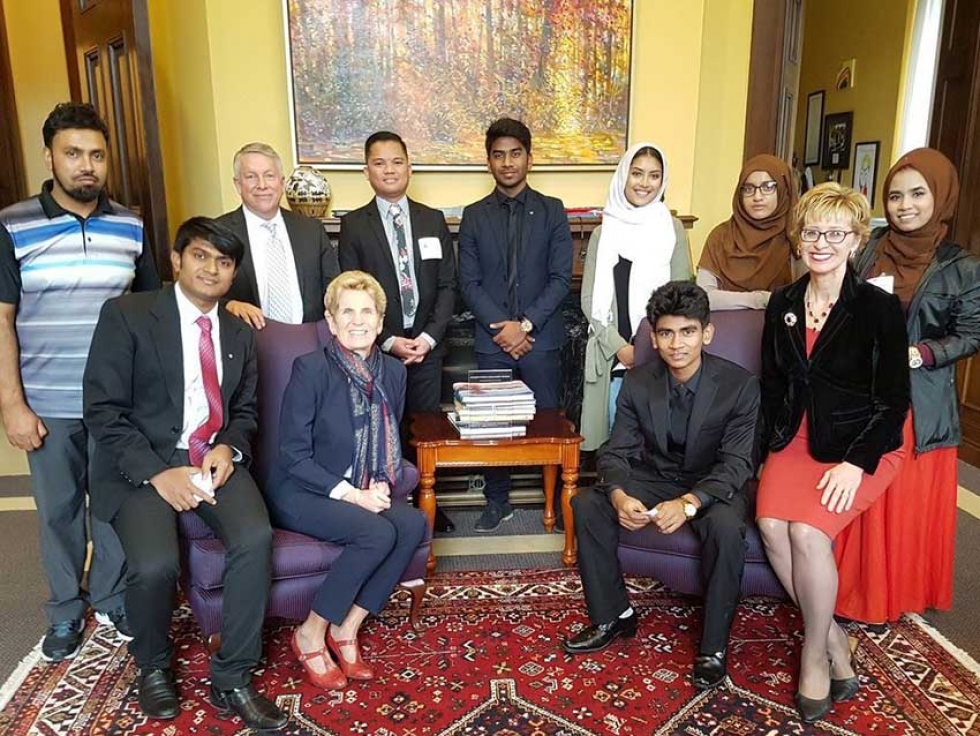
point(814, 128)
point(837, 141)
point(865, 170)
point(439, 73)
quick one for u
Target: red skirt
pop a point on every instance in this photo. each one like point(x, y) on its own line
point(897, 557)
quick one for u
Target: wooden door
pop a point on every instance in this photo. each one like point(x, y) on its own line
point(107, 44)
point(13, 183)
point(955, 131)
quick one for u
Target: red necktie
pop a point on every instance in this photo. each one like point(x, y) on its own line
point(200, 440)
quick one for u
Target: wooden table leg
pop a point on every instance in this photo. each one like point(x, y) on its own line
point(549, 474)
point(427, 496)
point(569, 476)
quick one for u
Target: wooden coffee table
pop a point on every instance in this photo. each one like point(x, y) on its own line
point(551, 442)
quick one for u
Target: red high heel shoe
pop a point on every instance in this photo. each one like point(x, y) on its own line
point(332, 679)
point(356, 670)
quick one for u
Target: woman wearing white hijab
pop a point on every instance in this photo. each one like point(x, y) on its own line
point(638, 247)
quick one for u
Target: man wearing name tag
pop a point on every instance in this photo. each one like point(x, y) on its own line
point(680, 452)
point(169, 396)
point(406, 246)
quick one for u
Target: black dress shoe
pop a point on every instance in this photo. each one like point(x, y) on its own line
point(157, 694)
point(600, 636)
point(443, 523)
point(844, 689)
point(709, 671)
point(257, 712)
point(811, 710)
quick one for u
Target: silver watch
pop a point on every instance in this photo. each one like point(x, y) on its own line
point(915, 358)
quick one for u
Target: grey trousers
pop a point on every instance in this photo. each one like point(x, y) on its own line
point(60, 477)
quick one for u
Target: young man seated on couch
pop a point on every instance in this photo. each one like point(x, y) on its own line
point(680, 452)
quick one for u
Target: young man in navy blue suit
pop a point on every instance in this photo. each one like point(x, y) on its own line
point(515, 266)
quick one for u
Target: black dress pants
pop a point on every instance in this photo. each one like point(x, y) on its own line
point(147, 527)
point(721, 529)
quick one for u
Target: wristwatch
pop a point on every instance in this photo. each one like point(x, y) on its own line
point(526, 325)
point(915, 357)
point(690, 510)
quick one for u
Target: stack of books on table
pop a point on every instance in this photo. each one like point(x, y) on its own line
point(492, 410)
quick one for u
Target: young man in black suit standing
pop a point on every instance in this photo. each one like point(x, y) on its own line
point(289, 260)
point(681, 452)
point(406, 246)
point(169, 396)
point(515, 269)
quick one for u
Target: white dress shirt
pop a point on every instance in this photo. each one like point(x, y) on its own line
point(258, 240)
point(196, 410)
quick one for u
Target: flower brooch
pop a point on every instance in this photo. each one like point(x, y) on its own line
point(790, 319)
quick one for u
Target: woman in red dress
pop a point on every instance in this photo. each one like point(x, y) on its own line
point(899, 557)
point(835, 393)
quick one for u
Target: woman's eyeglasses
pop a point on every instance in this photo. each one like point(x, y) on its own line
point(834, 237)
point(767, 187)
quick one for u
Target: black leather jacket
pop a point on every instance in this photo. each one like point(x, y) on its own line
point(945, 315)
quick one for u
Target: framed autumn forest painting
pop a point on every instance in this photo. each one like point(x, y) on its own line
point(438, 72)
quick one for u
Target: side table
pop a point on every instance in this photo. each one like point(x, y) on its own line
point(551, 442)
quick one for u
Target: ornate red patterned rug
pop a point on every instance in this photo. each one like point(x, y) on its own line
point(488, 662)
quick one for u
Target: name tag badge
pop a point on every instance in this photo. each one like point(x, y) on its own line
point(430, 248)
point(886, 282)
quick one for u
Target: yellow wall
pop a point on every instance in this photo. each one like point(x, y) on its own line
point(37, 60)
point(873, 33)
point(686, 56)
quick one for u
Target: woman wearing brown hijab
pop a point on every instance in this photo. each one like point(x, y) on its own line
point(748, 256)
point(910, 533)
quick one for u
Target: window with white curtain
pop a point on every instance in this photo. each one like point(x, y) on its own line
point(920, 78)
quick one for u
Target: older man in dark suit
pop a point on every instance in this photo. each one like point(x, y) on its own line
point(169, 396)
point(406, 246)
point(289, 260)
point(515, 268)
point(680, 452)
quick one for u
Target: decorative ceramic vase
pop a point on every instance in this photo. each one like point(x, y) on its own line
point(308, 192)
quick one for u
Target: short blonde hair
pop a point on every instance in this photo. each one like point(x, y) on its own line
point(354, 281)
point(264, 148)
point(833, 201)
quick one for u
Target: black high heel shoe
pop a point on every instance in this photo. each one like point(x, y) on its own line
point(811, 710)
point(846, 687)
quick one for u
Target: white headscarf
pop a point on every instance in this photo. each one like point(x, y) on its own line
point(643, 235)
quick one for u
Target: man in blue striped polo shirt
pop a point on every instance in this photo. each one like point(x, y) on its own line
point(63, 253)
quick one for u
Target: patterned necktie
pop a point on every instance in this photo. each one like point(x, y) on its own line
point(278, 304)
point(513, 236)
point(200, 440)
point(405, 280)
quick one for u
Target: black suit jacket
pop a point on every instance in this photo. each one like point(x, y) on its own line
point(316, 261)
point(721, 432)
point(134, 392)
point(364, 246)
point(854, 388)
point(544, 266)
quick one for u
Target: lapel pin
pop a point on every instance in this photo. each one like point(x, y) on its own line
point(790, 319)
point(230, 356)
point(530, 212)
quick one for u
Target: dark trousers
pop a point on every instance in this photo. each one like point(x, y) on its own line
point(423, 390)
point(60, 479)
point(541, 371)
point(721, 529)
point(147, 528)
point(377, 547)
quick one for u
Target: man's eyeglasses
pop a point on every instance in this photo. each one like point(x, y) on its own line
point(767, 187)
point(834, 237)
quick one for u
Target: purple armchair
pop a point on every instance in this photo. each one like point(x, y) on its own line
point(299, 563)
point(675, 559)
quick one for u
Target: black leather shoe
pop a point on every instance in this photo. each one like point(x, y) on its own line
point(443, 523)
point(600, 636)
point(844, 689)
point(811, 710)
point(710, 671)
point(157, 694)
point(257, 712)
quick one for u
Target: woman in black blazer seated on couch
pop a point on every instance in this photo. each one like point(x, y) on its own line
point(338, 463)
point(835, 392)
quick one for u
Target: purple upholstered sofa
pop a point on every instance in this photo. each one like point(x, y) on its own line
point(299, 563)
point(675, 559)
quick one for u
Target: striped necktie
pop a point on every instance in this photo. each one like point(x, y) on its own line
point(200, 440)
point(278, 305)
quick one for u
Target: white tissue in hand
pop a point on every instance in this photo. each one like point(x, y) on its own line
point(202, 481)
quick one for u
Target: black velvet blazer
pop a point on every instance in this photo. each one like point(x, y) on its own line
point(854, 387)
